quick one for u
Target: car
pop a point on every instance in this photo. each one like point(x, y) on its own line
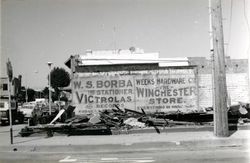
point(27, 109)
point(17, 115)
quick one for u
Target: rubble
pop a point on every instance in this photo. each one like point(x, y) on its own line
point(117, 120)
point(134, 123)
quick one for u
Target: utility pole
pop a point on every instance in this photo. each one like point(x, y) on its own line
point(10, 76)
point(218, 71)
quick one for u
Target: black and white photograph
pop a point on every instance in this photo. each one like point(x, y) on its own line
point(124, 81)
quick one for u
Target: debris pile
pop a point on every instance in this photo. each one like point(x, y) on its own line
point(102, 123)
point(107, 122)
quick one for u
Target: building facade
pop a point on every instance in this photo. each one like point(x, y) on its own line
point(15, 86)
point(237, 80)
point(138, 80)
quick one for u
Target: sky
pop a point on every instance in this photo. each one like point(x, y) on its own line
point(34, 32)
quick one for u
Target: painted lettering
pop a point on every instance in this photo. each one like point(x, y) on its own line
point(145, 82)
point(145, 92)
point(77, 84)
point(193, 91)
point(113, 83)
point(89, 84)
point(170, 81)
point(79, 97)
point(178, 100)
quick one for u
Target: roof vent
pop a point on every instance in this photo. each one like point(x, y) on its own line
point(132, 49)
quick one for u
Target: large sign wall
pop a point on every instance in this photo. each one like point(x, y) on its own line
point(167, 90)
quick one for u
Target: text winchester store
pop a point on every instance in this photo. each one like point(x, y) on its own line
point(136, 80)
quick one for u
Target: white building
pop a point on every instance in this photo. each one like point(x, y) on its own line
point(132, 56)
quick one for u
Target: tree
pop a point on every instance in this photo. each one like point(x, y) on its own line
point(45, 92)
point(21, 96)
point(59, 78)
point(31, 94)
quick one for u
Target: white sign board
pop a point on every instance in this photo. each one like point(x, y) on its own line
point(153, 91)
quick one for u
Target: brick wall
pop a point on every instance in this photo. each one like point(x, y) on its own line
point(236, 78)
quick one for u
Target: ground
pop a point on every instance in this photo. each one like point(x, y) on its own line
point(177, 147)
point(218, 155)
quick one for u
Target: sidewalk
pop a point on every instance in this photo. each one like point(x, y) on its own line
point(142, 141)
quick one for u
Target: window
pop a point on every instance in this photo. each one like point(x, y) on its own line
point(13, 105)
point(5, 87)
point(2, 105)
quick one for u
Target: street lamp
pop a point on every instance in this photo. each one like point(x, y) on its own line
point(49, 64)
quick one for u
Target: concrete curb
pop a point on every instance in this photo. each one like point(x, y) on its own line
point(141, 146)
point(170, 139)
point(182, 129)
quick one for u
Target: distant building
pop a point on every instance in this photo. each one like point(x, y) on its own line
point(15, 86)
point(133, 56)
point(4, 89)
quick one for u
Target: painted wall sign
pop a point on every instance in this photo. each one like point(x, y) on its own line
point(153, 91)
